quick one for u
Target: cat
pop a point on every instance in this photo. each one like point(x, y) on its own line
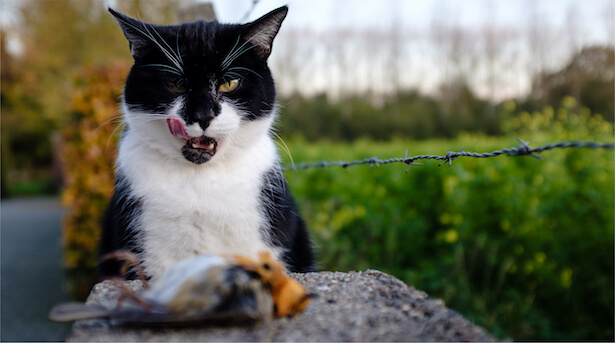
point(197, 169)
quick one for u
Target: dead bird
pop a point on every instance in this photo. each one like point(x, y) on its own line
point(203, 288)
point(289, 297)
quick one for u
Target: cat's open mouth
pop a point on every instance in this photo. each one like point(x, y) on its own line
point(207, 144)
point(197, 149)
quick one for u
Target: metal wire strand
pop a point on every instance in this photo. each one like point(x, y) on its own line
point(522, 150)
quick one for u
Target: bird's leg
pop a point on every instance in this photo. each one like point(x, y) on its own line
point(126, 292)
point(130, 260)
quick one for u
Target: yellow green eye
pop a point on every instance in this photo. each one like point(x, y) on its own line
point(229, 86)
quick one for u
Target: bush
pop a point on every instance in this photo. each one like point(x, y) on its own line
point(88, 155)
point(522, 246)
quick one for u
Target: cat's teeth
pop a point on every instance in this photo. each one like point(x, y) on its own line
point(210, 146)
point(195, 146)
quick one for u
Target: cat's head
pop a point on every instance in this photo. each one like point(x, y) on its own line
point(200, 89)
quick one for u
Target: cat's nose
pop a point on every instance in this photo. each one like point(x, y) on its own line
point(202, 109)
point(204, 117)
point(204, 114)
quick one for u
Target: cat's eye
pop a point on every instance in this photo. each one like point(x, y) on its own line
point(176, 87)
point(229, 86)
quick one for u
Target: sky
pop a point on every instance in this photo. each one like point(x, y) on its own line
point(593, 23)
point(416, 18)
point(323, 14)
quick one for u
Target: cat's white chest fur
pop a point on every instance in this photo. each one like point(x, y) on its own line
point(189, 209)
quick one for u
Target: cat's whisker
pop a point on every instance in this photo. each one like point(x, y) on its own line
point(178, 54)
point(141, 120)
point(233, 54)
point(144, 113)
point(246, 69)
point(224, 61)
point(177, 57)
point(169, 55)
point(114, 120)
point(230, 76)
point(165, 68)
point(149, 36)
point(121, 125)
point(240, 51)
point(144, 120)
point(282, 144)
point(273, 106)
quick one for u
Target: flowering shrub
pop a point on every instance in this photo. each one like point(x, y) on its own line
point(522, 246)
point(88, 155)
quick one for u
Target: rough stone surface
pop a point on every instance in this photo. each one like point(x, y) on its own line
point(354, 306)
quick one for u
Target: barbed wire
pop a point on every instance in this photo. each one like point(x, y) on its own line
point(522, 150)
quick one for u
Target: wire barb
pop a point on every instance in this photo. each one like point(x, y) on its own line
point(522, 150)
point(450, 156)
point(409, 161)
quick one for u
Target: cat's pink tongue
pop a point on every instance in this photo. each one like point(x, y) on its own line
point(177, 128)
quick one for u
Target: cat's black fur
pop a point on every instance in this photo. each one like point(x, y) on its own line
point(154, 82)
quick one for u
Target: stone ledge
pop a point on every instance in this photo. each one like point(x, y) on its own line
point(353, 306)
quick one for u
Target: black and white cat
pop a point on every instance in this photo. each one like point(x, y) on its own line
point(197, 170)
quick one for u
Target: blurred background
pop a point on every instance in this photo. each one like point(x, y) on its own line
point(520, 246)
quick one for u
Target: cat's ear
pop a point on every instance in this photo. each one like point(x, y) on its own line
point(133, 30)
point(262, 31)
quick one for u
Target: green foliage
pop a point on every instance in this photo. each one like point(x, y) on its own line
point(522, 246)
point(408, 115)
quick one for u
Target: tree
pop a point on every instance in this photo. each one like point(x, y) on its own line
point(60, 38)
point(539, 44)
point(590, 75)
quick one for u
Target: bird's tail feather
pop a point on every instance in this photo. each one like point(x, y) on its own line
point(67, 312)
